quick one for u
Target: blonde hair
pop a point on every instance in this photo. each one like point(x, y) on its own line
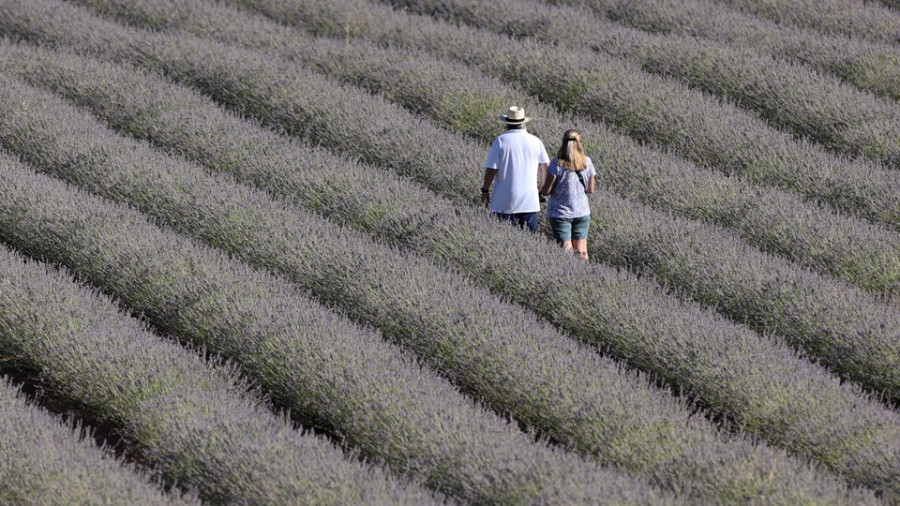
point(571, 152)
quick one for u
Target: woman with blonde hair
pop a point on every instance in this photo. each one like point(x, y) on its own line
point(568, 180)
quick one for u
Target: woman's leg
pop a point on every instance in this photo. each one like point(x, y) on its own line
point(562, 232)
point(580, 228)
point(580, 246)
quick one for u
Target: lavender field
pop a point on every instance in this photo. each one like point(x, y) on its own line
point(241, 258)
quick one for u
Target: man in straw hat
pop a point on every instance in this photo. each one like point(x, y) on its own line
point(515, 162)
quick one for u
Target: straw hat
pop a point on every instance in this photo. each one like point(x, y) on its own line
point(515, 116)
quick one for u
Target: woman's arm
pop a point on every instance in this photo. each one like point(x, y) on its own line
point(589, 188)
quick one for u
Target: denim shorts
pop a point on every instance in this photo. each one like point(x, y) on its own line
point(523, 220)
point(567, 229)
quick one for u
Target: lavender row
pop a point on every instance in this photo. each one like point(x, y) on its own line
point(404, 291)
point(471, 344)
point(466, 100)
point(391, 409)
point(187, 418)
point(812, 105)
point(813, 313)
point(869, 66)
point(191, 60)
point(646, 107)
point(43, 461)
point(460, 247)
point(808, 104)
point(854, 18)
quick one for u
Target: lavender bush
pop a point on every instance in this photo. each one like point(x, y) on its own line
point(466, 100)
point(187, 418)
point(855, 18)
point(870, 66)
point(811, 105)
point(646, 107)
point(521, 390)
point(43, 461)
point(808, 104)
point(346, 381)
point(456, 248)
point(481, 364)
point(819, 323)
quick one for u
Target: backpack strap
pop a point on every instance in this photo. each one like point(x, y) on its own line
point(580, 179)
point(577, 176)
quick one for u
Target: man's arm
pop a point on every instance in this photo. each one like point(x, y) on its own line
point(486, 187)
point(542, 180)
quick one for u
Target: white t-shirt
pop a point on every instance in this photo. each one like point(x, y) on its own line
point(516, 155)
